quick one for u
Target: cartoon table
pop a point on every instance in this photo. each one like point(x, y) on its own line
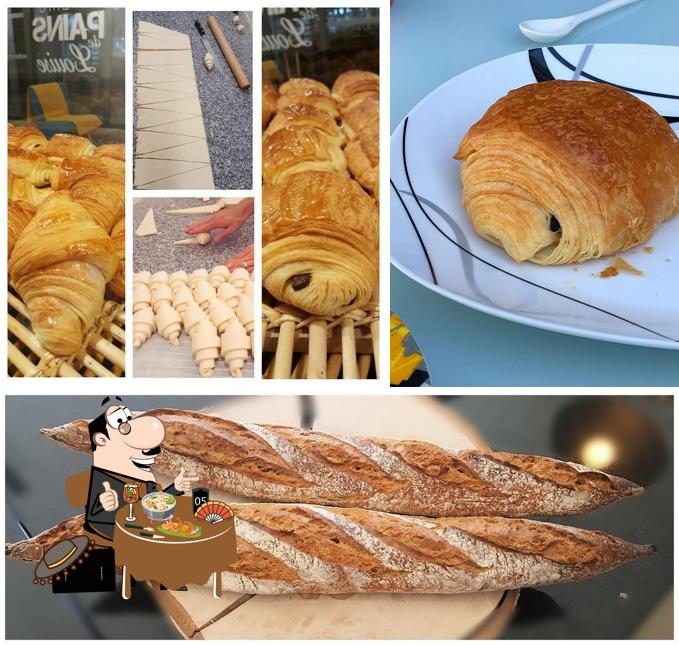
point(173, 561)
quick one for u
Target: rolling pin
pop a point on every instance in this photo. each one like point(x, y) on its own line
point(231, 59)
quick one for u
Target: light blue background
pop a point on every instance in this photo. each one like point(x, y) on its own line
point(432, 41)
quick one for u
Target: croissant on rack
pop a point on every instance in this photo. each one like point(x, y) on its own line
point(320, 243)
point(60, 265)
point(296, 148)
point(564, 171)
point(66, 232)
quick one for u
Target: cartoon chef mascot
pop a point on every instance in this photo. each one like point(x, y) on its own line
point(123, 451)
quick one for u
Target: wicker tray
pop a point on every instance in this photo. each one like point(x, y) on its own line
point(102, 354)
point(298, 345)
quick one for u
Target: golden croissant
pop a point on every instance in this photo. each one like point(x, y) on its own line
point(564, 171)
point(297, 148)
point(320, 243)
point(19, 214)
point(60, 265)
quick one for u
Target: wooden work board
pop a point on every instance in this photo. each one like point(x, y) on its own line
point(196, 614)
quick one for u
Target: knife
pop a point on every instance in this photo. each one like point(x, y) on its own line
point(208, 47)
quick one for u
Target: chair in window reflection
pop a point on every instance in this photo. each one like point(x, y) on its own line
point(47, 107)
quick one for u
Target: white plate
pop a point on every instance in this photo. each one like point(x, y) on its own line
point(432, 239)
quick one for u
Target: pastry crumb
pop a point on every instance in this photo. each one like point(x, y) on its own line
point(618, 266)
point(668, 260)
point(649, 249)
point(623, 595)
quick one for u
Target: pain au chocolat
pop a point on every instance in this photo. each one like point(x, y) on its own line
point(565, 171)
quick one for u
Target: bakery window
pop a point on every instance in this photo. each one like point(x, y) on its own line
point(66, 71)
point(319, 43)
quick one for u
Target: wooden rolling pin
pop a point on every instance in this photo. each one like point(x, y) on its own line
point(231, 59)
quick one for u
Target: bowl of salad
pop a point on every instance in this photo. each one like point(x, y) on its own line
point(158, 506)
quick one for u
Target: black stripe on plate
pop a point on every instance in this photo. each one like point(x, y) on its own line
point(538, 64)
point(570, 66)
point(497, 268)
point(419, 237)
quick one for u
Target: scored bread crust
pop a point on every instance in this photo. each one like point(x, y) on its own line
point(312, 549)
point(285, 464)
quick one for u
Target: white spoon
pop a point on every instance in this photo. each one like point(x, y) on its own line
point(553, 29)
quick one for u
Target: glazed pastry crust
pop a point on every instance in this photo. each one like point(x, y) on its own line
point(361, 115)
point(353, 86)
point(297, 148)
point(565, 171)
point(19, 214)
point(30, 139)
point(300, 114)
point(68, 145)
point(60, 265)
point(269, 99)
point(363, 158)
point(325, 227)
point(303, 86)
point(319, 101)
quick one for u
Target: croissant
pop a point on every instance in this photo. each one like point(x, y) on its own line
point(307, 115)
point(68, 145)
point(20, 189)
point(564, 171)
point(235, 345)
point(30, 139)
point(353, 86)
point(60, 266)
point(303, 86)
point(101, 192)
point(70, 171)
point(181, 298)
point(362, 114)
point(19, 214)
point(319, 101)
point(218, 275)
point(169, 323)
point(363, 158)
point(320, 243)
point(33, 167)
point(117, 284)
point(144, 324)
point(205, 346)
point(112, 150)
point(294, 149)
point(269, 98)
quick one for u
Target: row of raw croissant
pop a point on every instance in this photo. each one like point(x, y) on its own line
point(214, 308)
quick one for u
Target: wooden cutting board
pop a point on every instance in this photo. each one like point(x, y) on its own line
point(196, 614)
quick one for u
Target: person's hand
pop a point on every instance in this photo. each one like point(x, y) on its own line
point(229, 219)
point(245, 259)
point(109, 498)
point(183, 482)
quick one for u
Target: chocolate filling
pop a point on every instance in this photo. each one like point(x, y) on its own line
point(300, 281)
point(554, 225)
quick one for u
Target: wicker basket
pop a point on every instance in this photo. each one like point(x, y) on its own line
point(298, 345)
point(102, 354)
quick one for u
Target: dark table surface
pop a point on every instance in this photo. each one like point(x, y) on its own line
point(595, 608)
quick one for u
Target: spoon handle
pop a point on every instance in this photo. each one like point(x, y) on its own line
point(602, 9)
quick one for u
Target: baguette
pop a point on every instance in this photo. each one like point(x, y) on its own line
point(310, 549)
point(284, 464)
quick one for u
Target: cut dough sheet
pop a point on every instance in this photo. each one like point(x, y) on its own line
point(149, 170)
point(183, 181)
point(194, 151)
point(148, 225)
point(170, 143)
point(149, 141)
point(148, 95)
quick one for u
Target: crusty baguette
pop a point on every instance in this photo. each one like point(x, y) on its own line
point(285, 464)
point(313, 549)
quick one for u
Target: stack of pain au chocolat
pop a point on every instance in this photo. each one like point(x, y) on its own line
point(341, 514)
point(66, 232)
point(214, 308)
point(320, 168)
